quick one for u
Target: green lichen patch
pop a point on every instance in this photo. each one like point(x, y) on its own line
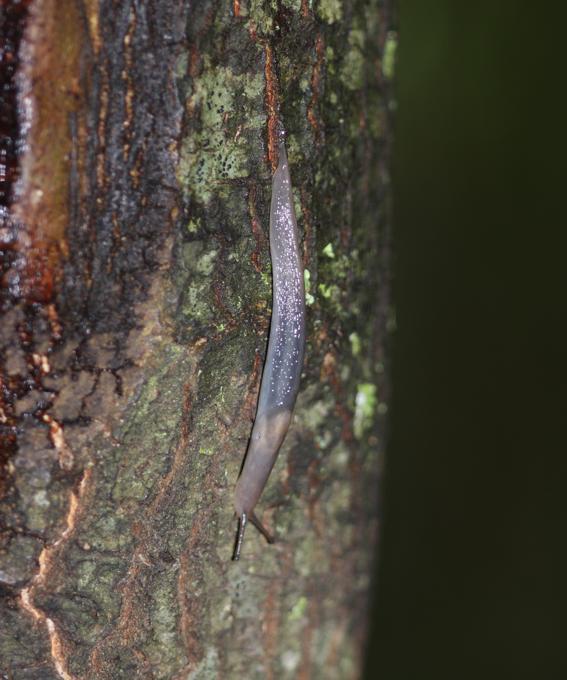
point(355, 343)
point(331, 292)
point(228, 107)
point(329, 251)
point(309, 299)
point(389, 58)
point(201, 260)
point(298, 610)
point(352, 70)
point(261, 17)
point(334, 274)
point(365, 407)
point(330, 11)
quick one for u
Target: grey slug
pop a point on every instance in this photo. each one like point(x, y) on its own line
point(284, 359)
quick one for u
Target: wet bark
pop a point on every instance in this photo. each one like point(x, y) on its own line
point(135, 301)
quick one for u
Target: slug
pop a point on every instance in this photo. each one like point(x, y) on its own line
point(284, 359)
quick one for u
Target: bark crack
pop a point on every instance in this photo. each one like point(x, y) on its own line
point(316, 88)
point(46, 563)
point(272, 105)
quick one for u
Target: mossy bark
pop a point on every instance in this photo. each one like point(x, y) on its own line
point(135, 310)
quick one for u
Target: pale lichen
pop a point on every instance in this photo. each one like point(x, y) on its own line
point(330, 11)
point(365, 406)
point(352, 70)
point(218, 153)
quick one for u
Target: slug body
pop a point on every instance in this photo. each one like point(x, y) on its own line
point(284, 359)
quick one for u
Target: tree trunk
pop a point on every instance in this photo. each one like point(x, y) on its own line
point(136, 298)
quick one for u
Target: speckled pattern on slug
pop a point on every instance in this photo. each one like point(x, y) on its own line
point(284, 359)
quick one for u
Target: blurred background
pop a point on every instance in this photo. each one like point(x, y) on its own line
point(470, 581)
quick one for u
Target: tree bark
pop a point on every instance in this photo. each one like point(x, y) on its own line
point(136, 298)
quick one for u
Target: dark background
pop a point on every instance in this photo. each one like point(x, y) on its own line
point(471, 571)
